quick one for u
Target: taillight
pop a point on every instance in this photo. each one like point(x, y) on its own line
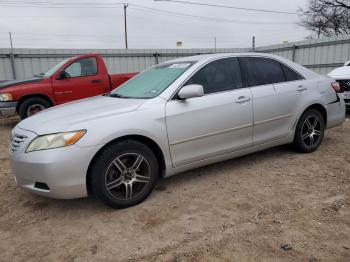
point(336, 87)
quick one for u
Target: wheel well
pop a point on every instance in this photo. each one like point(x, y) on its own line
point(142, 139)
point(23, 98)
point(319, 108)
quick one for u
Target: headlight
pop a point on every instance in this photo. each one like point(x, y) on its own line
point(5, 97)
point(55, 140)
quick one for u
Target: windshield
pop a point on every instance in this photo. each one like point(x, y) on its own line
point(151, 82)
point(53, 69)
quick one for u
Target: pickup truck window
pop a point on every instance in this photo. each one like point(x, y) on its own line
point(151, 82)
point(82, 67)
point(53, 69)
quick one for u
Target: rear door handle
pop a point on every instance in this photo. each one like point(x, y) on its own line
point(95, 81)
point(301, 88)
point(242, 99)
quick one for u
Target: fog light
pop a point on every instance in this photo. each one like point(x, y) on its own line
point(41, 186)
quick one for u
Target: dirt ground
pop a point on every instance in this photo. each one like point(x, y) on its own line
point(244, 209)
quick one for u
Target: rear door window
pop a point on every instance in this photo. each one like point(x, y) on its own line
point(218, 76)
point(261, 71)
point(290, 74)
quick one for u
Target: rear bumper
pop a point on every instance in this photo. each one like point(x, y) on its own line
point(8, 108)
point(336, 113)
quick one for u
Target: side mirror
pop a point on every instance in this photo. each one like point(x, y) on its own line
point(191, 91)
point(63, 75)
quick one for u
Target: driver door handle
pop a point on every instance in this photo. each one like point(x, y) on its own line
point(63, 92)
point(242, 99)
point(95, 81)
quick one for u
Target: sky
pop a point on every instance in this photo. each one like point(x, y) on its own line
point(151, 24)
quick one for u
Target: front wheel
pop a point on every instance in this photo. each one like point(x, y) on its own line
point(31, 106)
point(309, 132)
point(124, 174)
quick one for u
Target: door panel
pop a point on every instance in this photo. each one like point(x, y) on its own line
point(208, 126)
point(75, 88)
point(84, 81)
point(275, 97)
point(274, 107)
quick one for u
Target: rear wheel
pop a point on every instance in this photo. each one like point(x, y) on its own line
point(309, 132)
point(31, 106)
point(124, 174)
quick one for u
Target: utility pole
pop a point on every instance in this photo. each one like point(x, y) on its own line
point(215, 44)
point(11, 42)
point(12, 58)
point(253, 44)
point(125, 26)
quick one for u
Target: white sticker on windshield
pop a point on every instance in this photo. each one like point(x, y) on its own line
point(180, 66)
point(154, 91)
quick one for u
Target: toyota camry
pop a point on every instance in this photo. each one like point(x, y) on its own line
point(173, 117)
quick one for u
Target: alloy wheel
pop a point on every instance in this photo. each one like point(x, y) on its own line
point(127, 176)
point(311, 130)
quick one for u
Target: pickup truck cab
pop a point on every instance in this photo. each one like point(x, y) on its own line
point(72, 79)
point(342, 76)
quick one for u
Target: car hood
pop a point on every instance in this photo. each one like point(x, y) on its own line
point(66, 117)
point(340, 73)
point(9, 83)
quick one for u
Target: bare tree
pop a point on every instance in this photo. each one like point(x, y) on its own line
point(326, 17)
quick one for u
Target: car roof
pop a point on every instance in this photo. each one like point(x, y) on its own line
point(208, 57)
point(202, 59)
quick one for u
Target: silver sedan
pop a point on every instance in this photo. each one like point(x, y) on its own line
point(173, 117)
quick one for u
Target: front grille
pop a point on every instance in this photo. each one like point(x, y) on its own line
point(17, 141)
point(344, 85)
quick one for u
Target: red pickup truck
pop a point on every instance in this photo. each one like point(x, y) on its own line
point(72, 79)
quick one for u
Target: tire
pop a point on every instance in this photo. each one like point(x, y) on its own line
point(115, 172)
point(35, 104)
point(309, 131)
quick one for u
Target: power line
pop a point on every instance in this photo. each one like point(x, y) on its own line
point(76, 37)
point(113, 5)
point(154, 10)
point(230, 7)
point(164, 12)
point(53, 5)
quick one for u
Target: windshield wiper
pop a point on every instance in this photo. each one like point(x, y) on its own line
point(117, 95)
point(126, 97)
point(41, 75)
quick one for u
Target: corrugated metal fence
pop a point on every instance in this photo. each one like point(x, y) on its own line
point(321, 55)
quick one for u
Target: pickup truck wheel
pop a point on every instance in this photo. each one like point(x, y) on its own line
point(124, 174)
point(309, 131)
point(32, 106)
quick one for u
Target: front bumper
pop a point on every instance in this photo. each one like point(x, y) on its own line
point(62, 170)
point(8, 108)
point(346, 98)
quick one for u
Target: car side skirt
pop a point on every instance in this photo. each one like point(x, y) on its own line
point(235, 154)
